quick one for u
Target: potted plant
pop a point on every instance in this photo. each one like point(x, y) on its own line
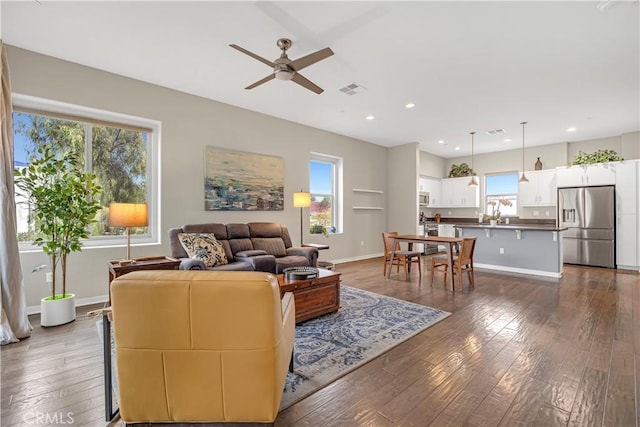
point(63, 198)
point(599, 156)
point(318, 229)
point(462, 169)
point(494, 218)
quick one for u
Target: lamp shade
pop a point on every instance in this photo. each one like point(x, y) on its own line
point(301, 200)
point(128, 215)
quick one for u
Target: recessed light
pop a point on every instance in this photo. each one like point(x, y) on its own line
point(571, 129)
point(409, 105)
point(457, 148)
point(441, 142)
point(507, 140)
point(370, 117)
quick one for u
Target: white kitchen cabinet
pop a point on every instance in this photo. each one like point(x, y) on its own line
point(627, 215)
point(627, 241)
point(587, 175)
point(456, 193)
point(432, 186)
point(422, 184)
point(627, 182)
point(541, 190)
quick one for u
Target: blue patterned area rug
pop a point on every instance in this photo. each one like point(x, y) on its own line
point(367, 325)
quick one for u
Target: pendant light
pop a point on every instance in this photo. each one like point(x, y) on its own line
point(473, 182)
point(523, 178)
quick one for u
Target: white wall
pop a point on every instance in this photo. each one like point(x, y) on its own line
point(189, 123)
point(630, 145)
point(432, 165)
point(403, 171)
point(626, 145)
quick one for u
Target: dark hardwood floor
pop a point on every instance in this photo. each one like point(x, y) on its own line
point(518, 350)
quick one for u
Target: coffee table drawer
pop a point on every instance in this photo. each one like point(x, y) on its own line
point(316, 301)
point(314, 297)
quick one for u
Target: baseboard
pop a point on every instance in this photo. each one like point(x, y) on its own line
point(35, 309)
point(628, 267)
point(519, 270)
point(356, 258)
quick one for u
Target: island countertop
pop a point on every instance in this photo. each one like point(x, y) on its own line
point(518, 248)
point(513, 227)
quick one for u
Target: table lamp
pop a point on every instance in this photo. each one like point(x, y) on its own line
point(301, 200)
point(128, 215)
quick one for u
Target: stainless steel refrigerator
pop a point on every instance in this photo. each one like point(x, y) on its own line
point(589, 214)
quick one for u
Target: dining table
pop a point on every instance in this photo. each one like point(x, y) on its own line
point(450, 242)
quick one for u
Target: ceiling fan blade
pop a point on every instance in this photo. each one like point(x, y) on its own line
point(306, 83)
point(310, 59)
point(253, 55)
point(259, 82)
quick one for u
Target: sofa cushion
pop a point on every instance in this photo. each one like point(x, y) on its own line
point(219, 231)
point(272, 245)
point(205, 247)
point(265, 229)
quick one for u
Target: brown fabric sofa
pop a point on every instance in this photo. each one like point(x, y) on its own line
point(201, 346)
point(254, 246)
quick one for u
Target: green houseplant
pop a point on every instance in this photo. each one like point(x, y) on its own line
point(63, 198)
point(462, 169)
point(599, 156)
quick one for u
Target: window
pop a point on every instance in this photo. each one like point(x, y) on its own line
point(119, 150)
point(501, 186)
point(325, 173)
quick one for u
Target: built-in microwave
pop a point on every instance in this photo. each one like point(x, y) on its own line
point(423, 199)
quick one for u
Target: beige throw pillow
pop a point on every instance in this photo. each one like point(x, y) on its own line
point(205, 247)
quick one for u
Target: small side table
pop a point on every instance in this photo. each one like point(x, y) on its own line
point(320, 247)
point(139, 264)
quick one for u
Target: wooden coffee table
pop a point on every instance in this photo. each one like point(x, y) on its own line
point(314, 297)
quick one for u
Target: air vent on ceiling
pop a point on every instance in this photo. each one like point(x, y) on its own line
point(495, 131)
point(353, 89)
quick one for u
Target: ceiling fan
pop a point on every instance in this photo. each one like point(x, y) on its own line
point(286, 69)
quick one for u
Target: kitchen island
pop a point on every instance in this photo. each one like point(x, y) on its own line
point(527, 249)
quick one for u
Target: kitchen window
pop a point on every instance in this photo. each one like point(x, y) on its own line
point(501, 186)
point(325, 176)
point(120, 150)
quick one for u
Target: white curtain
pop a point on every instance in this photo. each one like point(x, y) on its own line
point(15, 323)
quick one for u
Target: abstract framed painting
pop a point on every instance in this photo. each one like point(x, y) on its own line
point(241, 181)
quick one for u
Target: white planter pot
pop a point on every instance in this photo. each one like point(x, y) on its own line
point(57, 312)
point(493, 222)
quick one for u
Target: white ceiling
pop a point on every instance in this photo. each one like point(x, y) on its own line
point(468, 66)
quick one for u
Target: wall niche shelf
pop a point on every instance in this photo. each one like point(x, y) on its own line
point(371, 208)
point(363, 190)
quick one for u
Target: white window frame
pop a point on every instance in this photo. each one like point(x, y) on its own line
point(337, 175)
point(486, 195)
point(28, 102)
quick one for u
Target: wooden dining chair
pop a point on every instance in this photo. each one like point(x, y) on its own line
point(400, 258)
point(461, 262)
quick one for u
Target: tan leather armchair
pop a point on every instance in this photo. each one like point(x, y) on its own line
point(201, 346)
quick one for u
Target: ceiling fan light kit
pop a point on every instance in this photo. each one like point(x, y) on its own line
point(286, 69)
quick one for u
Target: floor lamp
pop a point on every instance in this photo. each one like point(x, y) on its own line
point(128, 215)
point(301, 200)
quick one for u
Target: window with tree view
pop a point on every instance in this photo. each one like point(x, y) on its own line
point(324, 176)
point(117, 154)
point(501, 194)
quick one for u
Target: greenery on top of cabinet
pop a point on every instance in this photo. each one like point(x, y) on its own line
point(460, 170)
point(599, 156)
